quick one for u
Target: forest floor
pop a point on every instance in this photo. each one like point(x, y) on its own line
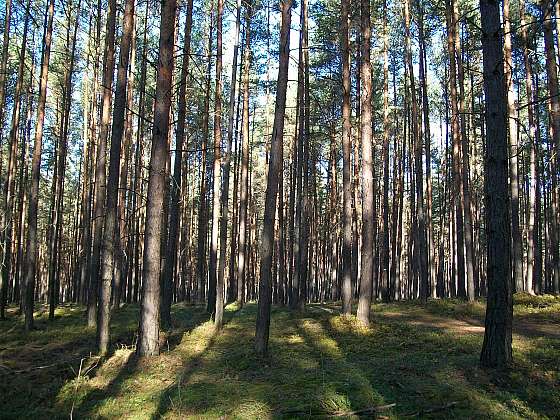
point(415, 361)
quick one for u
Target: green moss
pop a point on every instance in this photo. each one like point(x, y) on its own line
point(423, 359)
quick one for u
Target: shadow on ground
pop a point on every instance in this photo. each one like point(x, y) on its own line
point(412, 362)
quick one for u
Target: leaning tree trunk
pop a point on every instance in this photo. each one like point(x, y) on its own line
point(496, 349)
point(148, 335)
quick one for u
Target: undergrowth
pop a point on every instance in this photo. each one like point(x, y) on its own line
point(319, 364)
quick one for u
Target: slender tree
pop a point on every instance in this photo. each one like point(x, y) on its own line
point(100, 161)
point(111, 222)
point(148, 335)
point(28, 291)
point(267, 239)
point(242, 254)
point(368, 191)
point(346, 163)
point(169, 270)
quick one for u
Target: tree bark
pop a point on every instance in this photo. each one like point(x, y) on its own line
point(368, 191)
point(242, 252)
point(346, 163)
point(111, 222)
point(496, 349)
point(100, 162)
point(28, 291)
point(148, 335)
point(267, 240)
point(516, 241)
point(169, 270)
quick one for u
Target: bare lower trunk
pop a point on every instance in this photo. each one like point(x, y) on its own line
point(111, 222)
point(368, 191)
point(100, 162)
point(242, 254)
point(148, 334)
point(267, 239)
point(169, 270)
point(28, 291)
point(496, 349)
point(346, 164)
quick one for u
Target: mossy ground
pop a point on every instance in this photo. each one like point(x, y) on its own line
point(422, 359)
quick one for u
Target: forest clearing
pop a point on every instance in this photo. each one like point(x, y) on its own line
point(416, 361)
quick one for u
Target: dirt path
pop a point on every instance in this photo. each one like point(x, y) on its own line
point(471, 325)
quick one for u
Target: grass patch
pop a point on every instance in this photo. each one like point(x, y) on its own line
point(320, 364)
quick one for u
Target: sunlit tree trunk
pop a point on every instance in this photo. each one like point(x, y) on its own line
point(368, 191)
point(242, 249)
point(169, 270)
point(517, 255)
point(533, 271)
point(100, 161)
point(148, 335)
point(111, 229)
point(202, 239)
point(267, 239)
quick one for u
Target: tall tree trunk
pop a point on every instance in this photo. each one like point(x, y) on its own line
point(3, 65)
point(496, 349)
point(346, 163)
point(242, 254)
point(111, 222)
point(267, 239)
point(304, 256)
point(553, 90)
point(464, 162)
point(202, 272)
point(9, 182)
point(28, 290)
point(100, 162)
point(169, 270)
point(458, 241)
point(233, 117)
point(215, 290)
point(368, 191)
point(533, 271)
point(420, 248)
point(148, 335)
point(227, 166)
point(428, 152)
point(517, 243)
